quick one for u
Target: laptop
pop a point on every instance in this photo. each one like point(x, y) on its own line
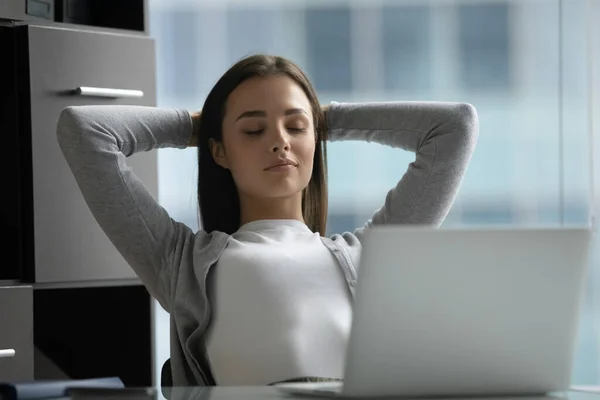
point(463, 312)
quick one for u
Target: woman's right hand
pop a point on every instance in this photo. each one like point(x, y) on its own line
point(195, 128)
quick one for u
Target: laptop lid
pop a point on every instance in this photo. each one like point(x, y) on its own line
point(466, 311)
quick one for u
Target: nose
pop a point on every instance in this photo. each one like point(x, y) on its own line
point(281, 141)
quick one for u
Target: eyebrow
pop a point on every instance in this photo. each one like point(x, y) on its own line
point(259, 113)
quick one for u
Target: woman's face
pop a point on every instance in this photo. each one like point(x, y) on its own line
point(268, 138)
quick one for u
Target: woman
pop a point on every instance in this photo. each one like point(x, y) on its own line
point(259, 295)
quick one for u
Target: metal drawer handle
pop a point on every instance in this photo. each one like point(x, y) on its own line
point(108, 92)
point(7, 353)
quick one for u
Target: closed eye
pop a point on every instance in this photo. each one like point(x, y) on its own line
point(255, 132)
point(298, 130)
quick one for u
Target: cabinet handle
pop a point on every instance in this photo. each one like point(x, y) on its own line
point(7, 353)
point(108, 92)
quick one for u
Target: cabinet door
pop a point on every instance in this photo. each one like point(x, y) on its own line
point(68, 244)
point(16, 334)
point(12, 9)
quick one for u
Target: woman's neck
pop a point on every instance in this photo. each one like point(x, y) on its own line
point(255, 209)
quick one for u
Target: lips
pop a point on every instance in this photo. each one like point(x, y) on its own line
point(282, 164)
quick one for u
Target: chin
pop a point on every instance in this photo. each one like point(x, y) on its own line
point(281, 191)
point(281, 194)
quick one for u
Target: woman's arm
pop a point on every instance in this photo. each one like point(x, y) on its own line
point(443, 137)
point(95, 141)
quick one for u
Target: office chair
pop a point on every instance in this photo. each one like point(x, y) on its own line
point(166, 377)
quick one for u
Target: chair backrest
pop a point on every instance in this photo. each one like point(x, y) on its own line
point(166, 377)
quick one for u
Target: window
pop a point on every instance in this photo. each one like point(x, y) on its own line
point(328, 48)
point(250, 31)
point(340, 223)
point(484, 46)
point(177, 63)
point(406, 39)
point(475, 51)
point(488, 214)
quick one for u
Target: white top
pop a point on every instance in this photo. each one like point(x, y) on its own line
point(281, 307)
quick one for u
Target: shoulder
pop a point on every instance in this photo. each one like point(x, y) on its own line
point(348, 242)
point(209, 246)
point(196, 252)
point(194, 257)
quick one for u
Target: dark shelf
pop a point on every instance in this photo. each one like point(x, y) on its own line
point(119, 14)
point(96, 332)
point(11, 202)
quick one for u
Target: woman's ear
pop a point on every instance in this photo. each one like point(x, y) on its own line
point(218, 153)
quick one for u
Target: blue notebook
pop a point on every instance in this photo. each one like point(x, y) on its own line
point(37, 390)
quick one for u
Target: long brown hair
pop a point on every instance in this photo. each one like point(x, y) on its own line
point(217, 194)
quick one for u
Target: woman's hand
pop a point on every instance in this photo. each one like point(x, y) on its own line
point(195, 128)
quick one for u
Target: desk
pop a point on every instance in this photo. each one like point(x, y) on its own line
point(271, 393)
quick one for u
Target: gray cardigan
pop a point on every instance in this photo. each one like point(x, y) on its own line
point(173, 262)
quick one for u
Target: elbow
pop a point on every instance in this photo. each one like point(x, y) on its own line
point(466, 123)
point(68, 123)
point(69, 127)
point(467, 119)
